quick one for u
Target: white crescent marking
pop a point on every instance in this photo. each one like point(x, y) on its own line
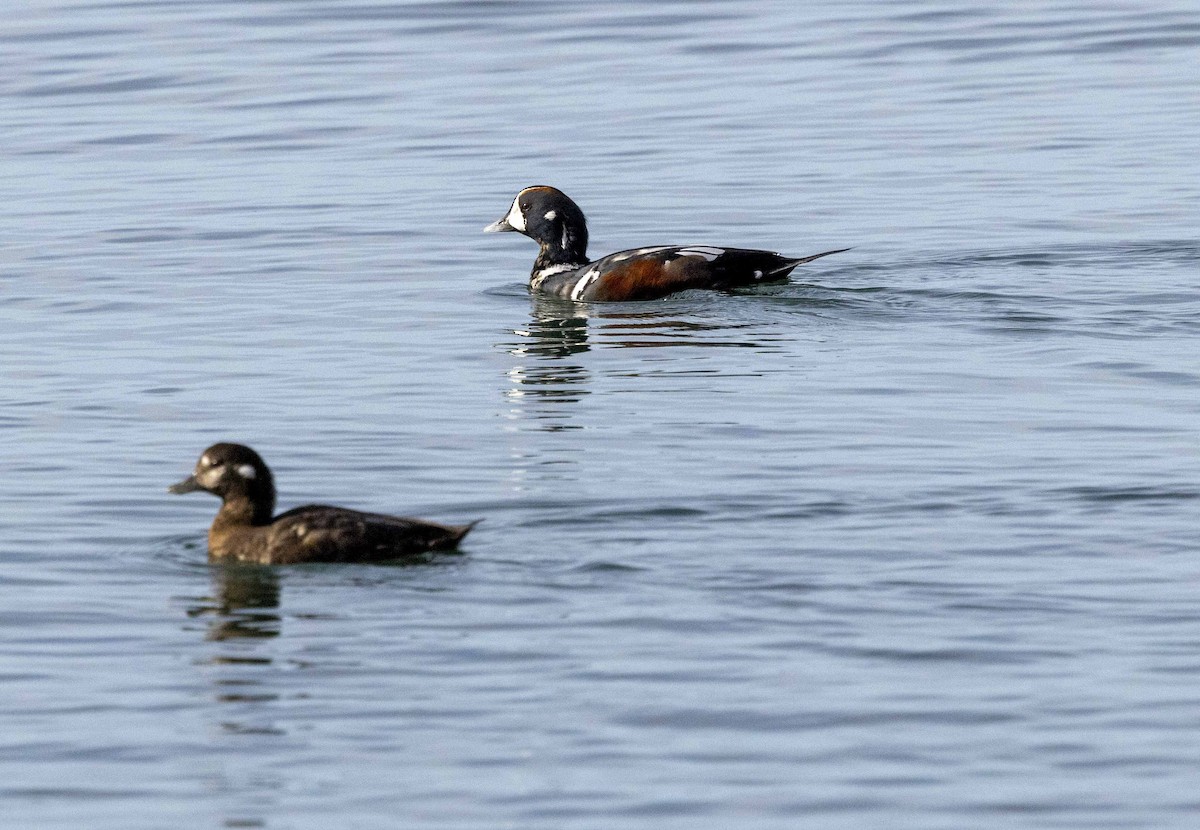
point(584, 281)
point(702, 251)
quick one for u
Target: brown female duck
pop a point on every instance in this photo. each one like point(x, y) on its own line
point(245, 531)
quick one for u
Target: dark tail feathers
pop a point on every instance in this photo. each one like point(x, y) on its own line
point(792, 263)
point(461, 531)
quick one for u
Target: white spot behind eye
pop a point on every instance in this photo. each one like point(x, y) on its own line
point(246, 471)
point(550, 215)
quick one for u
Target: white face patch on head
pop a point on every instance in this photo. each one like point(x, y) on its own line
point(550, 215)
point(205, 461)
point(515, 217)
point(209, 476)
point(245, 471)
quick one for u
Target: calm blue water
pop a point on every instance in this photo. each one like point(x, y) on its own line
point(910, 542)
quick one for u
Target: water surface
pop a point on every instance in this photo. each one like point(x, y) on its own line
point(908, 542)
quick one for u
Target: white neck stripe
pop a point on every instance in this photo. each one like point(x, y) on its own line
point(551, 270)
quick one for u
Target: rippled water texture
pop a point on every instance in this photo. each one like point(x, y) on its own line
point(909, 542)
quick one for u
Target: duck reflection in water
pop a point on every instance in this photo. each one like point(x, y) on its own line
point(544, 377)
point(557, 329)
point(242, 616)
point(243, 603)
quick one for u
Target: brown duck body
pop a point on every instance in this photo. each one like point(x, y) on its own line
point(318, 533)
point(245, 531)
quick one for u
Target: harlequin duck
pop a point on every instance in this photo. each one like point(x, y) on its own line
point(549, 217)
point(245, 531)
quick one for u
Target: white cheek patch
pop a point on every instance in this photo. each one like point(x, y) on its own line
point(245, 471)
point(206, 461)
point(550, 215)
point(515, 217)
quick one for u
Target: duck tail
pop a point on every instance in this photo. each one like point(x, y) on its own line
point(459, 532)
point(792, 263)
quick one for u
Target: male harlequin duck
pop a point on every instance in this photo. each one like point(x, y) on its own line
point(244, 530)
point(549, 217)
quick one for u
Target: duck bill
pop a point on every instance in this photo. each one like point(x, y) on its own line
point(188, 485)
point(499, 226)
